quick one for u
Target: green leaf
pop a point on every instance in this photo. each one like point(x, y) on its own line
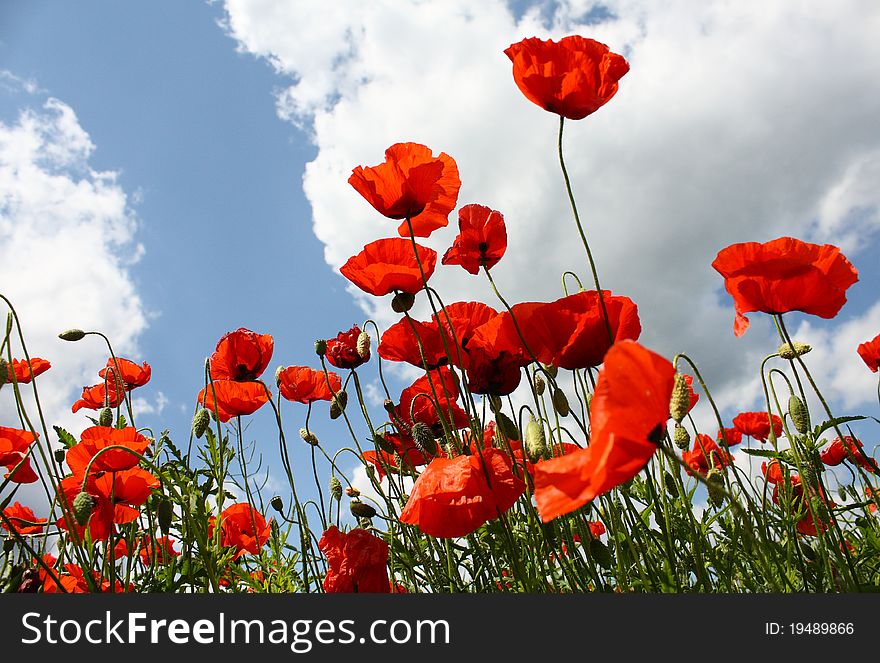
point(764, 453)
point(831, 423)
point(64, 437)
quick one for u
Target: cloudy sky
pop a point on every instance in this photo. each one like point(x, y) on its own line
point(172, 171)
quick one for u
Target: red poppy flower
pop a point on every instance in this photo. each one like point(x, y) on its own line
point(847, 448)
point(389, 265)
point(452, 497)
point(401, 342)
point(732, 436)
point(241, 355)
point(498, 374)
point(417, 401)
point(302, 384)
point(342, 351)
point(411, 184)
point(869, 493)
point(481, 241)
point(98, 397)
point(14, 445)
point(131, 375)
point(784, 275)
point(18, 513)
point(243, 528)
point(163, 549)
point(869, 351)
point(706, 455)
point(528, 467)
point(404, 449)
point(459, 321)
point(629, 410)
point(115, 494)
point(25, 371)
point(234, 399)
point(567, 333)
point(572, 78)
point(95, 439)
point(693, 395)
point(757, 424)
point(357, 560)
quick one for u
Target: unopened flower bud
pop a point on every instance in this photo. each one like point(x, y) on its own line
point(201, 421)
point(680, 403)
point(165, 514)
point(4, 371)
point(363, 345)
point(551, 370)
point(278, 372)
point(83, 505)
point(560, 403)
point(681, 437)
point(351, 491)
point(337, 405)
point(402, 302)
point(423, 438)
point(277, 504)
point(536, 442)
point(539, 384)
point(796, 349)
point(335, 487)
point(72, 335)
point(715, 480)
point(105, 418)
point(361, 510)
point(841, 493)
point(506, 426)
point(799, 415)
point(308, 436)
point(320, 347)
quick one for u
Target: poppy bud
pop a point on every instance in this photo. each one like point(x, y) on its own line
point(308, 436)
point(423, 438)
point(820, 511)
point(796, 349)
point(361, 510)
point(201, 421)
point(680, 403)
point(560, 403)
point(539, 384)
point(320, 347)
point(335, 487)
point(165, 514)
point(808, 551)
point(681, 437)
point(841, 493)
point(4, 371)
point(337, 405)
point(278, 372)
point(363, 345)
point(808, 476)
point(506, 426)
point(799, 415)
point(671, 486)
point(277, 504)
point(402, 302)
point(351, 491)
point(551, 370)
point(83, 505)
point(106, 417)
point(60, 455)
point(72, 335)
point(536, 442)
point(715, 480)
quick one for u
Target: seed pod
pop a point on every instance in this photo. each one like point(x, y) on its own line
point(680, 403)
point(165, 514)
point(277, 504)
point(796, 349)
point(539, 384)
point(799, 415)
point(335, 487)
point(337, 405)
point(105, 418)
point(560, 403)
point(361, 510)
point(423, 438)
point(72, 335)
point(552, 371)
point(308, 436)
point(201, 421)
point(320, 347)
point(363, 345)
point(402, 302)
point(536, 442)
point(681, 437)
point(83, 505)
point(507, 428)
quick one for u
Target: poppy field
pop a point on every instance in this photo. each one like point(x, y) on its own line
point(540, 446)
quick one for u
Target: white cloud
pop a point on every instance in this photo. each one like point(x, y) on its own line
point(67, 242)
point(737, 122)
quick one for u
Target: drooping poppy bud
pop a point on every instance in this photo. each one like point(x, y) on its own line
point(535, 440)
point(337, 405)
point(680, 403)
point(361, 510)
point(308, 436)
point(796, 349)
point(681, 437)
point(539, 384)
point(106, 417)
point(83, 505)
point(201, 421)
point(335, 487)
point(799, 415)
point(363, 345)
point(560, 403)
point(72, 335)
point(423, 438)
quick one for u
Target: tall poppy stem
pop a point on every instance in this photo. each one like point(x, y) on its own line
point(577, 220)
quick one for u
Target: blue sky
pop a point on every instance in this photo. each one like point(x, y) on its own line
point(232, 127)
